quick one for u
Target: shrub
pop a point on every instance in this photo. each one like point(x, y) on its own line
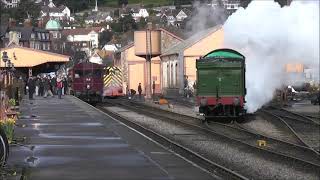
point(8, 127)
point(12, 102)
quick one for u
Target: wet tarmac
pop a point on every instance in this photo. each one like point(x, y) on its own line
point(67, 139)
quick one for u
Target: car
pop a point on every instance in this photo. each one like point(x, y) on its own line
point(315, 99)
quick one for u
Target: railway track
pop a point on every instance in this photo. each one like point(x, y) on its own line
point(205, 163)
point(275, 148)
point(304, 128)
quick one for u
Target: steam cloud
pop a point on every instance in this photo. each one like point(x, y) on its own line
point(204, 16)
point(271, 37)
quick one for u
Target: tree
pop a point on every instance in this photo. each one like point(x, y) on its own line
point(74, 5)
point(122, 2)
point(127, 23)
point(26, 9)
point(105, 37)
point(142, 23)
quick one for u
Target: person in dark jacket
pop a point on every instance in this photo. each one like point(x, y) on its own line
point(41, 87)
point(65, 86)
point(31, 87)
point(53, 83)
point(140, 90)
point(46, 87)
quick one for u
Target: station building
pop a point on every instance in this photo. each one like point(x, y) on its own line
point(180, 60)
point(134, 67)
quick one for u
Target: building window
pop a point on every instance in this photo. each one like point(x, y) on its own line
point(47, 35)
point(48, 46)
point(19, 35)
point(55, 35)
point(43, 36)
point(32, 35)
point(39, 35)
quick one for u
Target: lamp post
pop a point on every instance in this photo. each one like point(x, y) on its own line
point(5, 59)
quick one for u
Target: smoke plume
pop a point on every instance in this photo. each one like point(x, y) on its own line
point(271, 37)
point(204, 16)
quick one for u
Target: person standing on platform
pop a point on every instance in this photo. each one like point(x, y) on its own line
point(53, 85)
point(46, 87)
point(65, 86)
point(41, 87)
point(139, 90)
point(37, 83)
point(59, 87)
point(31, 87)
point(153, 88)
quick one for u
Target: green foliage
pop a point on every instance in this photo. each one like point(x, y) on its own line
point(26, 9)
point(8, 127)
point(74, 5)
point(126, 23)
point(105, 37)
point(12, 102)
point(142, 23)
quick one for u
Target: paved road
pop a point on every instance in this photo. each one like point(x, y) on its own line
point(71, 140)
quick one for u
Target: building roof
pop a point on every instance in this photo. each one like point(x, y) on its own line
point(126, 47)
point(26, 31)
point(27, 57)
point(53, 25)
point(81, 31)
point(48, 9)
point(191, 41)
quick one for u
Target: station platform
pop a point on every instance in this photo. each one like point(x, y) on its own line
point(68, 139)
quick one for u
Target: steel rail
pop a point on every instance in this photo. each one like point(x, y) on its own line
point(291, 150)
point(147, 110)
point(185, 152)
point(295, 130)
point(303, 117)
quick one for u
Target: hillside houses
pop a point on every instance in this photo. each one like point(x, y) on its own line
point(49, 9)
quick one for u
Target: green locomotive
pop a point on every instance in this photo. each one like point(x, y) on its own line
point(221, 86)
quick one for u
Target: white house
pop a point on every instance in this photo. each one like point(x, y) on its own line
point(181, 16)
point(59, 13)
point(171, 20)
point(111, 47)
point(96, 58)
point(84, 39)
point(10, 3)
point(142, 13)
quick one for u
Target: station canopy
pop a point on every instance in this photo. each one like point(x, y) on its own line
point(23, 57)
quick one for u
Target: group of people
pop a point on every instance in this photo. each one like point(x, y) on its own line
point(45, 86)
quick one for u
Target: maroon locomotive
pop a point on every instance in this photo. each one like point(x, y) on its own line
point(87, 82)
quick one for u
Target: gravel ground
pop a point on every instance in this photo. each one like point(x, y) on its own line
point(264, 127)
point(238, 157)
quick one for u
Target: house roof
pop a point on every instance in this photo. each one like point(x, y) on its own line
point(126, 47)
point(47, 9)
point(26, 31)
point(27, 57)
point(81, 31)
point(53, 25)
point(191, 41)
